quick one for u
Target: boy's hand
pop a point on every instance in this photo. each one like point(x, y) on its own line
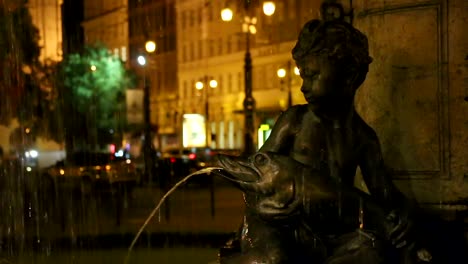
point(400, 228)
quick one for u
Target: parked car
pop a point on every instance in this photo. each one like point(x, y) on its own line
point(89, 171)
point(175, 164)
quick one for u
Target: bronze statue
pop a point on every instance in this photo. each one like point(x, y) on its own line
point(275, 229)
point(324, 139)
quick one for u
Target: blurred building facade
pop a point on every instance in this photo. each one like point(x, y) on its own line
point(407, 96)
point(210, 47)
point(106, 22)
point(155, 20)
point(72, 31)
point(46, 16)
point(412, 97)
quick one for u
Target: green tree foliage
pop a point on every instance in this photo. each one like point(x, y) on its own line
point(94, 84)
point(19, 53)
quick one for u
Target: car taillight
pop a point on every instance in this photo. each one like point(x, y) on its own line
point(192, 156)
point(173, 160)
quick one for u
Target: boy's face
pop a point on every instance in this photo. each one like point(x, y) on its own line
point(324, 84)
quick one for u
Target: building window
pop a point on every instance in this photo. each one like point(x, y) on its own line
point(240, 79)
point(210, 11)
point(229, 45)
point(183, 19)
point(292, 9)
point(229, 83)
point(190, 89)
point(191, 18)
point(220, 46)
point(185, 88)
point(220, 84)
point(192, 51)
point(213, 135)
point(200, 49)
point(212, 48)
point(281, 11)
point(221, 135)
point(200, 16)
point(184, 53)
point(231, 132)
point(123, 53)
point(239, 43)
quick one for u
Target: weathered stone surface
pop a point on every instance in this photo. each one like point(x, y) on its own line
point(415, 93)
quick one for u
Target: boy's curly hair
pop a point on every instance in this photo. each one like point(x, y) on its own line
point(338, 40)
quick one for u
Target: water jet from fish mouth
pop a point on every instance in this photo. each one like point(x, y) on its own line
point(206, 171)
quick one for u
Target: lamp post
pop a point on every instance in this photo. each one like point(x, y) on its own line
point(248, 27)
point(282, 73)
point(148, 150)
point(202, 85)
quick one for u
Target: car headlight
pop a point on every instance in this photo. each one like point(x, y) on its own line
point(31, 154)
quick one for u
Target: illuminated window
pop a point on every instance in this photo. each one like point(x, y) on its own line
point(123, 53)
point(193, 130)
point(240, 80)
point(231, 132)
point(221, 136)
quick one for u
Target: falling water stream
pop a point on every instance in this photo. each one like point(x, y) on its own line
point(206, 171)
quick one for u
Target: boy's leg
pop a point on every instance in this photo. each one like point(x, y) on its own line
point(356, 247)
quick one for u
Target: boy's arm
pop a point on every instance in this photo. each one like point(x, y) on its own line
point(399, 208)
point(280, 135)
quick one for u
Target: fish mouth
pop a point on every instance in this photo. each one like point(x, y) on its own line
point(237, 169)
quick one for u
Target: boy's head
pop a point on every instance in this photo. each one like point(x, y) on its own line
point(333, 58)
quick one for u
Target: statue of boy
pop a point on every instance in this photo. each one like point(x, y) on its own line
point(328, 135)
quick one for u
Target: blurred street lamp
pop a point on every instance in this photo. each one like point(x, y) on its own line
point(206, 81)
point(288, 72)
point(226, 14)
point(141, 60)
point(248, 27)
point(150, 46)
point(148, 149)
point(269, 8)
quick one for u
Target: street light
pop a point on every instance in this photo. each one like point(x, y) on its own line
point(150, 47)
point(141, 60)
point(200, 85)
point(269, 8)
point(287, 72)
point(248, 27)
